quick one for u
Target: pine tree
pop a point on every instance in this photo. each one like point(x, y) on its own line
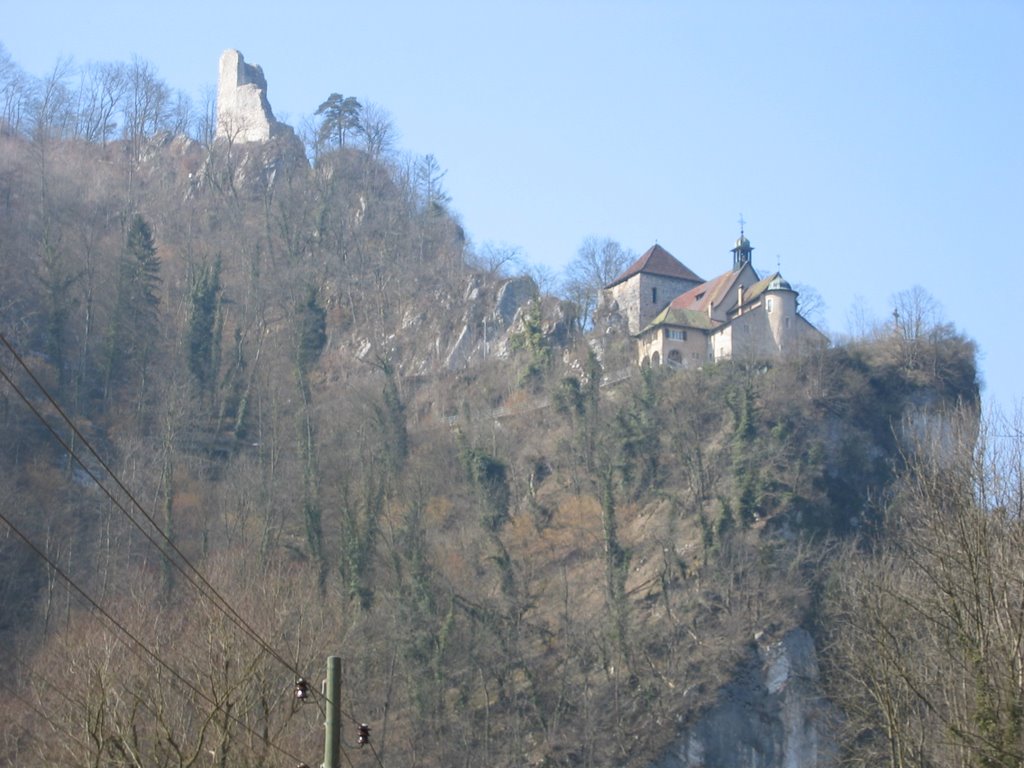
point(340, 116)
point(204, 308)
point(134, 324)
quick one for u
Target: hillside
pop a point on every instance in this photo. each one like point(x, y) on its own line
point(372, 444)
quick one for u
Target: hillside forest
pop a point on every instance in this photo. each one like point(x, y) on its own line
point(266, 404)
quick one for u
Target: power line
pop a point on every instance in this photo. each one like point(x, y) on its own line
point(206, 589)
point(135, 644)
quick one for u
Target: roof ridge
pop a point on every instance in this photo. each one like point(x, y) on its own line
point(656, 260)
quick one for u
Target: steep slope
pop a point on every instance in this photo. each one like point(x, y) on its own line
point(377, 450)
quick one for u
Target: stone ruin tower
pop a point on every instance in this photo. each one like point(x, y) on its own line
point(243, 112)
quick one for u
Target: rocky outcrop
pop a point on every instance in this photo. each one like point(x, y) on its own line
point(243, 111)
point(771, 716)
point(512, 295)
point(252, 148)
point(491, 311)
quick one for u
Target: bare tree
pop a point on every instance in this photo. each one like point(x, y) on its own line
point(100, 99)
point(181, 116)
point(206, 120)
point(16, 93)
point(497, 259)
point(598, 261)
point(926, 648)
point(52, 112)
point(377, 131)
point(147, 105)
point(812, 305)
point(916, 313)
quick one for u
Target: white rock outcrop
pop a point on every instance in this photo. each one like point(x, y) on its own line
point(243, 112)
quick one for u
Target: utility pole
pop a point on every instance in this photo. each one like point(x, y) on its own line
point(332, 704)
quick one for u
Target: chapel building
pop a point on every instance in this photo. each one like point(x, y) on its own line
point(681, 320)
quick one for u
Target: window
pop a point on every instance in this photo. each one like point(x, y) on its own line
point(768, 305)
point(654, 295)
point(676, 334)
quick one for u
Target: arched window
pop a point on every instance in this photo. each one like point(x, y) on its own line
point(675, 356)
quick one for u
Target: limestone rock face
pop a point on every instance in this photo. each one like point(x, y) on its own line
point(243, 112)
point(512, 295)
point(771, 716)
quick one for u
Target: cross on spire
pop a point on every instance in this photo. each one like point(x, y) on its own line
point(742, 223)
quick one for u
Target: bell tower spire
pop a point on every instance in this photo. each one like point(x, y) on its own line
point(743, 250)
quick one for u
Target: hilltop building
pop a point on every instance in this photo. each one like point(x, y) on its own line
point(682, 320)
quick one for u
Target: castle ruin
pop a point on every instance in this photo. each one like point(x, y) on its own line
point(243, 112)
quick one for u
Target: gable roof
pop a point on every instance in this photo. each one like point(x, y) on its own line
point(687, 318)
point(760, 287)
point(690, 309)
point(699, 297)
point(657, 261)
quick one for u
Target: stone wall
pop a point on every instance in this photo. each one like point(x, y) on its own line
point(243, 112)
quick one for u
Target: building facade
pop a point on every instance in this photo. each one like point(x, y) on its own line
point(680, 320)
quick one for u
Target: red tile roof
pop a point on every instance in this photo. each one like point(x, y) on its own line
point(690, 309)
point(698, 298)
point(657, 261)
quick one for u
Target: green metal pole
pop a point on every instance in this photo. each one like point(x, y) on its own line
point(332, 735)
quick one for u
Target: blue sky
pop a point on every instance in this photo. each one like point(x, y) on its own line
point(871, 146)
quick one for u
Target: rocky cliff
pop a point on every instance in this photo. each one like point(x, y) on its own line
point(771, 715)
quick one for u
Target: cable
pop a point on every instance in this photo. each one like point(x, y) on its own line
point(375, 755)
point(220, 602)
point(135, 642)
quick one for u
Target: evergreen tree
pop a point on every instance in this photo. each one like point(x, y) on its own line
point(637, 437)
point(340, 116)
point(204, 309)
point(311, 337)
point(134, 324)
point(489, 476)
point(391, 419)
point(616, 564)
point(744, 464)
point(311, 321)
point(534, 343)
